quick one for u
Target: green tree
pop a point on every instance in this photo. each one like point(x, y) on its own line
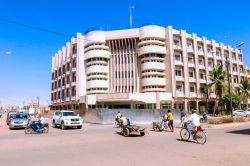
point(217, 84)
point(236, 100)
point(245, 90)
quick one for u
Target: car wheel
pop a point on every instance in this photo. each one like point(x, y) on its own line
point(79, 127)
point(247, 115)
point(63, 126)
point(53, 124)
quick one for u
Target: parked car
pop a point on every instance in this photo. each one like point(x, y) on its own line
point(241, 113)
point(19, 120)
point(66, 119)
point(9, 116)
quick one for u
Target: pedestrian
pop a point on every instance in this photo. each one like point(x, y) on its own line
point(170, 119)
point(183, 114)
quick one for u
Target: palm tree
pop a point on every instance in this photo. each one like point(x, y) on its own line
point(245, 90)
point(217, 84)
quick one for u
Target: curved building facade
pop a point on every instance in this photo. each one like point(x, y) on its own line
point(148, 67)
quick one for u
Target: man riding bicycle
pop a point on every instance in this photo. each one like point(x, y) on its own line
point(194, 122)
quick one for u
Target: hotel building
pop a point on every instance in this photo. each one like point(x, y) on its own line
point(148, 67)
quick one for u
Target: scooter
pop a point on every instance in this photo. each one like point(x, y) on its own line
point(37, 128)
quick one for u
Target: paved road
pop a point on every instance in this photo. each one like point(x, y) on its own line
point(97, 145)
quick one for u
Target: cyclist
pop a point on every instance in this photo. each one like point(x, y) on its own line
point(194, 122)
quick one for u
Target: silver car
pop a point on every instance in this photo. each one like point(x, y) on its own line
point(241, 113)
point(19, 120)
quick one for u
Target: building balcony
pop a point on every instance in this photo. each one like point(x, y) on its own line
point(73, 98)
point(67, 72)
point(203, 81)
point(177, 47)
point(192, 94)
point(73, 83)
point(152, 65)
point(234, 61)
point(203, 95)
point(191, 65)
point(210, 68)
point(241, 63)
point(179, 78)
point(178, 63)
point(152, 49)
point(212, 95)
point(242, 74)
point(96, 47)
point(218, 57)
point(235, 73)
point(74, 55)
point(190, 50)
point(97, 54)
point(210, 55)
point(191, 79)
point(153, 81)
point(97, 69)
point(97, 84)
point(67, 98)
point(200, 52)
point(67, 85)
point(73, 69)
point(68, 59)
point(201, 66)
point(179, 94)
point(63, 87)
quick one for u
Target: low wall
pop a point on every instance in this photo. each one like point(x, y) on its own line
point(139, 116)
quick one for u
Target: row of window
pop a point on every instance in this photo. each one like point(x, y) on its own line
point(63, 94)
point(152, 60)
point(91, 79)
point(148, 71)
point(152, 55)
point(97, 64)
point(62, 70)
point(97, 59)
point(153, 87)
point(150, 38)
point(93, 74)
point(190, 46)
point(97, 89)
point(149, 44)
point(153, 76)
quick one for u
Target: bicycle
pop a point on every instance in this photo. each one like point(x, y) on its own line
point(200, 137)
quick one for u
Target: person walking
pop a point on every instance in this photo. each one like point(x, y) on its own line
point(170, 119)
point(183, 114)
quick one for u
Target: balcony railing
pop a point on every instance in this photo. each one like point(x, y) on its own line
point(179, 78)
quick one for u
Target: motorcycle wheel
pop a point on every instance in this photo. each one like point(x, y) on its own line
point(28, 131)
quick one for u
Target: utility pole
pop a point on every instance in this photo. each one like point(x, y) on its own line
point(37, 103)
point(229, 87)
point(131, 18)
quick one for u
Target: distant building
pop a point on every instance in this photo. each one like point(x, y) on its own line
point(147, 67)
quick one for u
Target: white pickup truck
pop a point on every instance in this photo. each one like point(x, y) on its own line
point(66, 119)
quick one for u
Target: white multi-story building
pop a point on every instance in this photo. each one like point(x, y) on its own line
point(148, 67)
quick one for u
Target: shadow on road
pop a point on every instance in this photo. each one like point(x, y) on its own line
point(243, 132)
point(181, 140)
point(131, 135)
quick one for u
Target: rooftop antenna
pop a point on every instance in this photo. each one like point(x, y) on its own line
point(131, 7)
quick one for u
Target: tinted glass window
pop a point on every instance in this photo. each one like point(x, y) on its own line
point(69, 114)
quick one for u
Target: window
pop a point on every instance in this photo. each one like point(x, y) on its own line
point(191, 74)
point(178, 57)
point(192, 88)
point(218, 53)
point(210, 63)
point(190, 44)
point(202, 89)
point(178, 72)
point(202, 75)
point(177, 41)
point(191, 59)
point(201, 61)
point(179, 88)
point(200, 48)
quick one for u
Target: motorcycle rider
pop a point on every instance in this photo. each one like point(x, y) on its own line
point(194, 122)
point(39, 124)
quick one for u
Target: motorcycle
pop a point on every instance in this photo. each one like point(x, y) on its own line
point(160, 125)
point(37, 128)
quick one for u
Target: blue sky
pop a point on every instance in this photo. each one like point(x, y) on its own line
point(26, 73)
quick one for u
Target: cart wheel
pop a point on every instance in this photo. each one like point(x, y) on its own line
point(126, 132)
point(142, 133)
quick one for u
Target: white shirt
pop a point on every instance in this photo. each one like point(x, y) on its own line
point(124, 121)
point(42, 120)
point(195, 119)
